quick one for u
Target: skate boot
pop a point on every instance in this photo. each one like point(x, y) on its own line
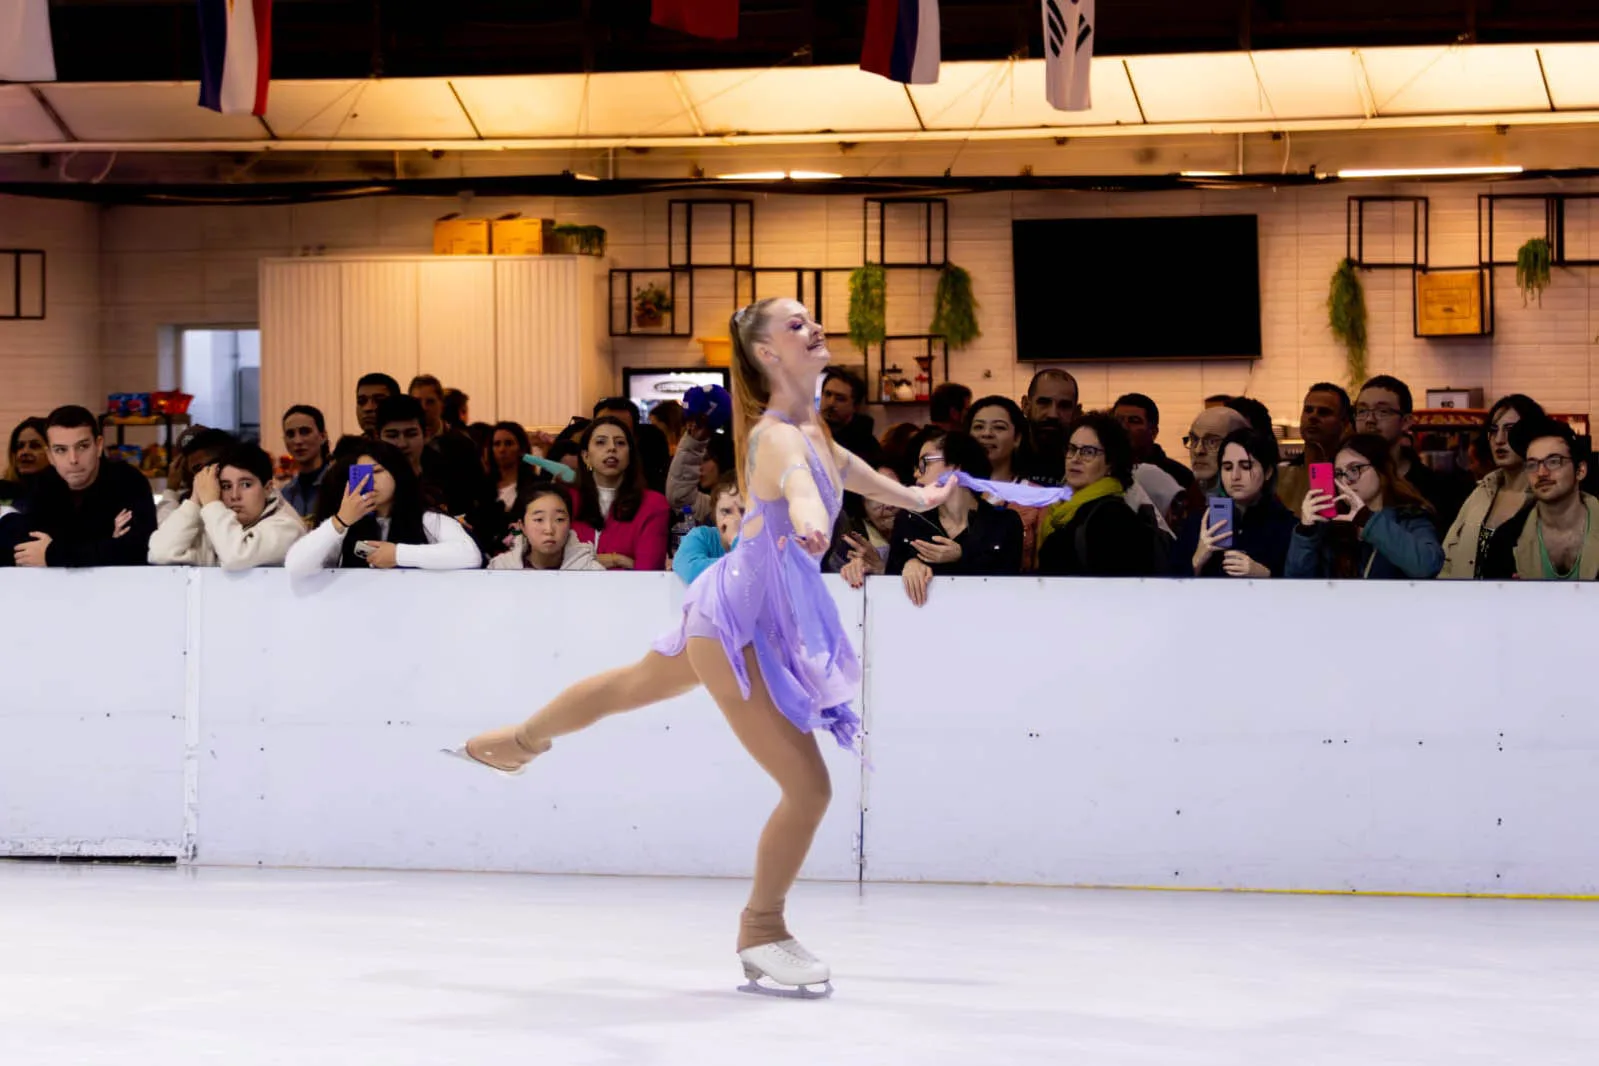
point(465, 752)
point(788, 969)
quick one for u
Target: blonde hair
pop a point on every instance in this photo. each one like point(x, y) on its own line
point(752, 393)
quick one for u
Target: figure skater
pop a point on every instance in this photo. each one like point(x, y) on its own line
point(759, 629)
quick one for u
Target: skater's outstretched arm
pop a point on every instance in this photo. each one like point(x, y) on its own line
point(859, 477)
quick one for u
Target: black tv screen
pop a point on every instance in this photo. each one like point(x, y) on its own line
point(1137, 288)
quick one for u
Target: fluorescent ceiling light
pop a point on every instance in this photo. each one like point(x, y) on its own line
point(1206, 174)
point(1427, 172)
point(779, 175)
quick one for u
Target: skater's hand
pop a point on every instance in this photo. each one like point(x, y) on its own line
point(615, 561)
point(815, 543)
point(208, 485)
point(916, 576)
point(932, 496)
point(384, 555)
point(31, 553)
point(357, 504)
point(940, 550)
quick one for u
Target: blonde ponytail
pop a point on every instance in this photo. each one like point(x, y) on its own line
point(751, 393)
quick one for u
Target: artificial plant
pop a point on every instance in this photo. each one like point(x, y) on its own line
point(1532, 269)
point(868, 299)
point(955, 308)
point(650, 304)
point(1346, 317)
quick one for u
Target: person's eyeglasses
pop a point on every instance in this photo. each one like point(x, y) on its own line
point(1554, 464)
point(1379, 413)
point(1202, 444)
point(1083, 451)
point(1351, 473)
point(926, 461)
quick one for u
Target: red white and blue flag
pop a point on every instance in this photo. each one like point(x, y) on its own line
point(902, 40)
point(235, 55)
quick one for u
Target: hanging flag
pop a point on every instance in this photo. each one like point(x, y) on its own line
point(25, 51)
point(902, 40)
point(235, 55)
point(716, 19)
point(1068, 53)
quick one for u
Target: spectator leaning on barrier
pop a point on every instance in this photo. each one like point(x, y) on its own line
point(1498, 497)
point(1261, 529)
point(197, 448)
point(1556, 537)
point(625, 521)
point(964, 535)
point(87, 510)
point(382, 523)
point(998, 424)
point(1381, 526)
point(1096, 533)
point(544, 539)
point(234, 518)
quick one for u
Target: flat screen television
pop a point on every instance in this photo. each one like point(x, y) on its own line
point(1137, 288)
point(648, 386)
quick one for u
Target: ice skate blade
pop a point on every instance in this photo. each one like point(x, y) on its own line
point(784, 992)
point(462, 753)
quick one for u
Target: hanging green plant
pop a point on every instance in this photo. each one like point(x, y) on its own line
point(1532, 269)
point(1346, 317)
point(868, 300)
point(955, 308)
point(582, 240)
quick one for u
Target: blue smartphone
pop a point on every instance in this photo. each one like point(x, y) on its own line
point(1221, 510)
point(360, 477)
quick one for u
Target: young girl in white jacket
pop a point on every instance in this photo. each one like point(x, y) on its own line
point(380, 523)
point(545, 540)
point(233, 517)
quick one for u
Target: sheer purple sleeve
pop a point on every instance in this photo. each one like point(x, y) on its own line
point(1014, 492)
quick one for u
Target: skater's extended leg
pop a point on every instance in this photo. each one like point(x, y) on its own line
point(794, 762)
point(652, 679)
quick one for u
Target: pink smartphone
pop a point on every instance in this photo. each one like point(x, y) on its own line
point(1321, 479)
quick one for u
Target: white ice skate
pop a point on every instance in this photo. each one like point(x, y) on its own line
point(462, 753)
point(793, 971)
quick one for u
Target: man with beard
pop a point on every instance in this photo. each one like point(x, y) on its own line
point(1325, 420)
point(842, 406)
point(1559, 538)
point(1051, 405)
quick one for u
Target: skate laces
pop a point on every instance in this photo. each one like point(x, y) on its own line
point(795, 951)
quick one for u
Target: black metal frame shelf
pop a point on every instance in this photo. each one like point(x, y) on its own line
point(935, 218)
point(1420, 231)
point(933, 346)
point(17, 255)
point(734, 208)
point(630, 328)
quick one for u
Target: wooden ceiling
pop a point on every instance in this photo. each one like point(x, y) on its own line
point(156, 40)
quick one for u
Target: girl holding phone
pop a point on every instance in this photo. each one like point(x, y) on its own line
point(1382, 528)
point(1249, 533)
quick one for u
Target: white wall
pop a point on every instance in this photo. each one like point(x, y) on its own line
point(1172, 733)
point(44, 364)
point(197, 265)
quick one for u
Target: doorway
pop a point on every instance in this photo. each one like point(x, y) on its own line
point(221, 369)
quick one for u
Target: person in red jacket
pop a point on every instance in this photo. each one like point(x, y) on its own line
point(626, 522)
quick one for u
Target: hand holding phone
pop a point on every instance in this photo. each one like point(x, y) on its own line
point(1322, 480)
point(359, 499)
point(1219, 513)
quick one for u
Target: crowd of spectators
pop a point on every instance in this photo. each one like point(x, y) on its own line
point(422, 486)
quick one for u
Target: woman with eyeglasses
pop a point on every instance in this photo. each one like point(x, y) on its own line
point(965, 534)
point(1096, 533)
point(1255, 542)
point(1498, 497)
point(1380, 527)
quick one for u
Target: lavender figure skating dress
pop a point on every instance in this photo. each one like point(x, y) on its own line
point(773, 599)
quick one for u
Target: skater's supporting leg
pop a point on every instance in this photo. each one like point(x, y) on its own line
point(650, 680)
point(794, 761)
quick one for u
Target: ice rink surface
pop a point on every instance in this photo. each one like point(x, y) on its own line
point(166, 967)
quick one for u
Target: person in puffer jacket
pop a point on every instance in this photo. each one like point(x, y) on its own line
point(545, 540)
point(1383, 527)
point(233, 517)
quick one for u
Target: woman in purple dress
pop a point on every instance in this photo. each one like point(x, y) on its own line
point(759, 629)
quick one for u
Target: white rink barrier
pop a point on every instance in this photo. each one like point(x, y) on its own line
point(1430, 737)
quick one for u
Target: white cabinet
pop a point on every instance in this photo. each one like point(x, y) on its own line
point(524, 337)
